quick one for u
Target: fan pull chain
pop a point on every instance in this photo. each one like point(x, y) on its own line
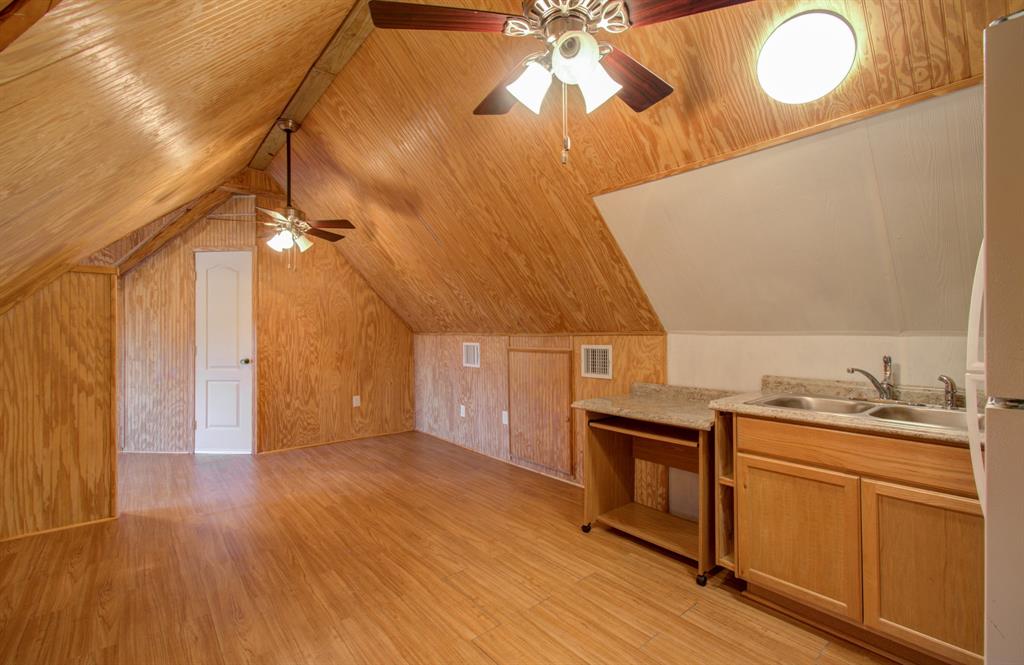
point(566, 142)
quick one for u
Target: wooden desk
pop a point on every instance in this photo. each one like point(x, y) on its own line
point(612, 445)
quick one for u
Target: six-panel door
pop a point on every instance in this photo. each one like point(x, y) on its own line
point(798, 530)
point(924, 573)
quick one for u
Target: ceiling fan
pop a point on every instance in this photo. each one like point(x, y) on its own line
point(290, 227)
point(571, 52)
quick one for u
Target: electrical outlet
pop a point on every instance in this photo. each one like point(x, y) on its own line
point(462, 410)
point(504, 417)
point(357, 400)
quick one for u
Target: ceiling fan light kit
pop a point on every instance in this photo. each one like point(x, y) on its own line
point(572, 53)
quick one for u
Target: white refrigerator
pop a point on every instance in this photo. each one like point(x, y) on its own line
point(995, 356)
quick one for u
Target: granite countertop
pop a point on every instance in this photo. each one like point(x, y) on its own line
point(668, 405)
point(738, 404)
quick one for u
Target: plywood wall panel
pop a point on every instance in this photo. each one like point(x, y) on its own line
point(540, 420)
point(323, 336)
point(442, 384)
point(57, 435)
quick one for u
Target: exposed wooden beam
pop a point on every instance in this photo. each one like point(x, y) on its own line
point(252, 182)
point(346, 41)
point(200, 208)
point(17, 16)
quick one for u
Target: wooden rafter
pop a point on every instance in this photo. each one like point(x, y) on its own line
point(17, 16)
point(200, 208)
point(346, 41)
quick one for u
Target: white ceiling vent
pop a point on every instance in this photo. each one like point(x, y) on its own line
point(471, 354)
point(597, 361)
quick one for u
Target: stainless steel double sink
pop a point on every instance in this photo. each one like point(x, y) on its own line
point(910, 415)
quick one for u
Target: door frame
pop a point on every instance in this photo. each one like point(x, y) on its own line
point(254, 450)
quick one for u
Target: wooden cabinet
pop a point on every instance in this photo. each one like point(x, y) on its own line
point(924, 581)
point(882, 532)
point(799, 533)
point(539, 396)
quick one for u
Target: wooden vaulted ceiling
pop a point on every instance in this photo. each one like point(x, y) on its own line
point(471, 224)
point(115, 113)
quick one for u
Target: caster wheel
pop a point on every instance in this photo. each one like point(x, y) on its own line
point(702, 580)
point(585, 528)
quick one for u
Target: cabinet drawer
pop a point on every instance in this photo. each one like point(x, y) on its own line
point(936, 466)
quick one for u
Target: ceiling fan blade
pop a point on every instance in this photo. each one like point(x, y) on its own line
point(641, 88)
point(647, 12)
point(273, 214)
point(500, 101)
point(331, 224)
point(413, 16)
point(325, 235)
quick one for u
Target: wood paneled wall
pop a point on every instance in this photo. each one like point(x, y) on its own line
point(322, 335)
point(57, 431)
point(442, 384)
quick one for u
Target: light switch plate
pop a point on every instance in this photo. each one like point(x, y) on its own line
point(462, 410)
point(357, 400)
point(504, 417)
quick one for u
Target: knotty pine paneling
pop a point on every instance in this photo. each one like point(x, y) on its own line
point(322, 336)
point(150, 104)
point(442, 384)
point(471, 223)
point(57, 430)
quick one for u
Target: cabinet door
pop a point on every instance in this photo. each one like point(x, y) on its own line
point(539, 396)
point(924, 577)
point(798, 533)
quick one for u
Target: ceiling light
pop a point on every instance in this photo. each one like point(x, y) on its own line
point(574, 56)
point(531, 86)
point(806, 57)
point(303, 243)
point(281, 241)
point(598, 87)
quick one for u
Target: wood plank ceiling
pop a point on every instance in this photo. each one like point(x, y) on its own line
point(115, 113)
point(471, 224)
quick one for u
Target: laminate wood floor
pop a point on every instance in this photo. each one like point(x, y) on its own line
point(398, 549)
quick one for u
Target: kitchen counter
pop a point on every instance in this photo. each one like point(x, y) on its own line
point(737, 403)
point(679, 406)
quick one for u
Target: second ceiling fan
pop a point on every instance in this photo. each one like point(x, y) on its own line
point(571, 52)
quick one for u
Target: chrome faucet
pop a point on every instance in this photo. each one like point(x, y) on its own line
point(884, 387)
point(949, 395)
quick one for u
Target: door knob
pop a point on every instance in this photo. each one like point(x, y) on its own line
point(246, 361)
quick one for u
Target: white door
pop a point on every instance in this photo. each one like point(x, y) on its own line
point(224, 345)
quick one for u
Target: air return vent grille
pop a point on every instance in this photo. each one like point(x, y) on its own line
point(597, 361)
point(471, 354)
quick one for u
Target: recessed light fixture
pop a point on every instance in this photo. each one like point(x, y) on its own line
point(806, 57)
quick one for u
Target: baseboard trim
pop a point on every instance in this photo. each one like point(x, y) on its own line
point(508, 461)
point(58, 528)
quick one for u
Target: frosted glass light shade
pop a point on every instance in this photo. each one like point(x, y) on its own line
point(281, 241)
point(303, 243)
point(532, 86)
point(806, 57)
point(573, 68)
point(598, 87)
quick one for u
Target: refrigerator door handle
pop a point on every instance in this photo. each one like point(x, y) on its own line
point(975, 436)
point(975, 357)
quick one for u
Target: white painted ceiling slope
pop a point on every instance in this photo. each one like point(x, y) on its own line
point(872, 228)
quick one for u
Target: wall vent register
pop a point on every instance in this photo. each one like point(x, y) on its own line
point(471, 354)
point(596, 361)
